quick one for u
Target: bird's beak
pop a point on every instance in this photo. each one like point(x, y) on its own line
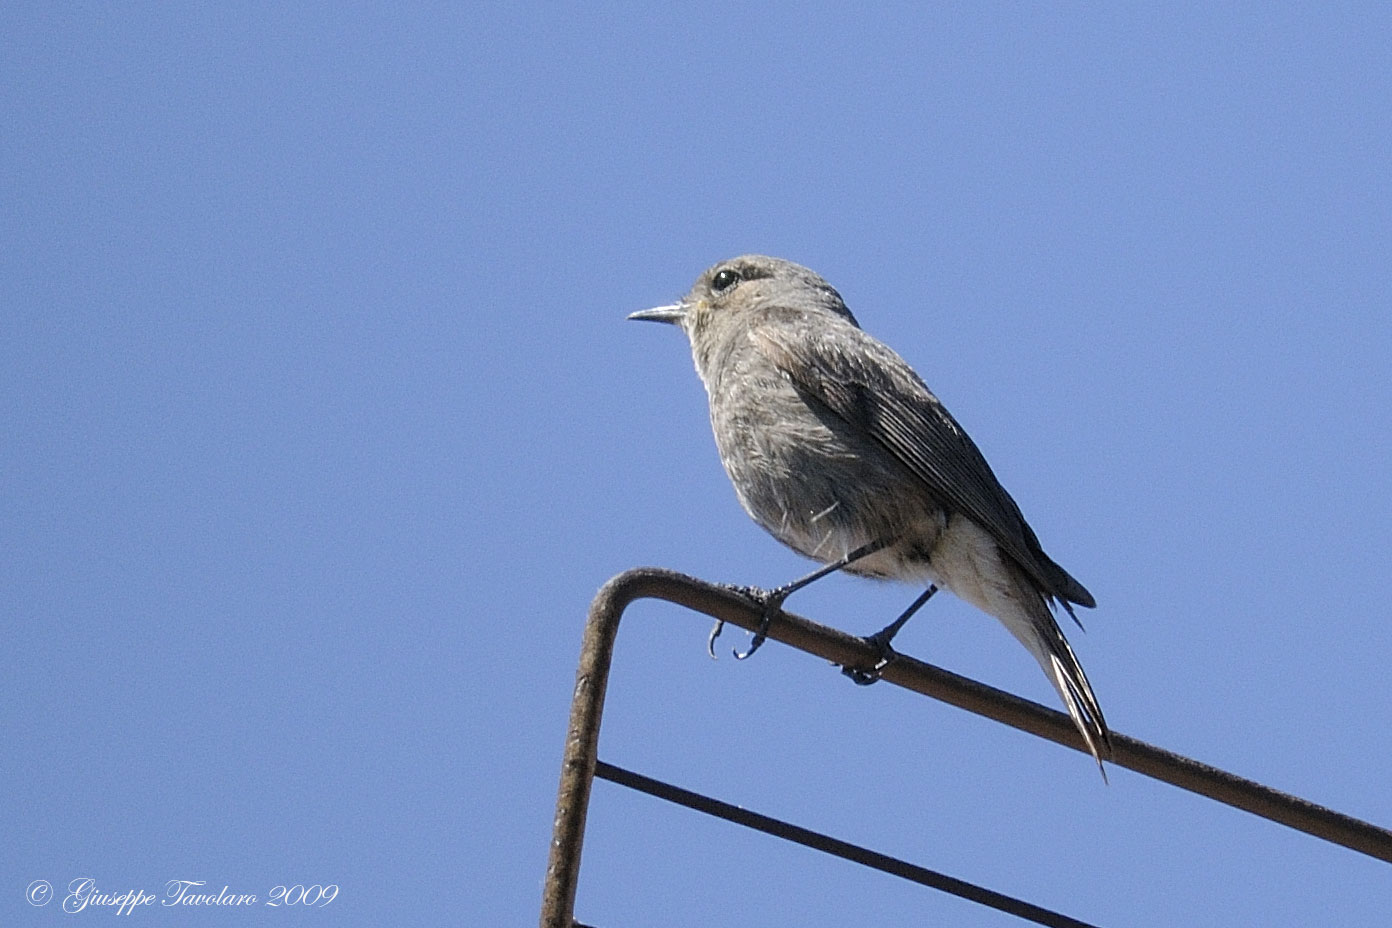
point(674, 314)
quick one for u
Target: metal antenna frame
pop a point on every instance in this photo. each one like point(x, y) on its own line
point(730, 605)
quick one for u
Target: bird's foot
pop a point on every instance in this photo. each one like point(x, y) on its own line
point(773, 604)
point(887, 655)
point(758, 595)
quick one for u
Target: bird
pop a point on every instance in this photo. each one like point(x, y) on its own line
point(837, 448)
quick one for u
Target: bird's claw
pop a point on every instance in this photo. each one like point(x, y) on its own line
point(760, 598)
point(714, 634)
point(887, 656)
point(867, 677)
point(760, 636)
point(754, 644)
point(773, 604)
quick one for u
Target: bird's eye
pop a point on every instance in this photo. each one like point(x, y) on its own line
point(724, 279)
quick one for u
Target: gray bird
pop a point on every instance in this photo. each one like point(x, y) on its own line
point(838, 449)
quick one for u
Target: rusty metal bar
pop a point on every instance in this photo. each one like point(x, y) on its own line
point(582, 742)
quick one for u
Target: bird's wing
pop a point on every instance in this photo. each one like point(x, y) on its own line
point(872, 388)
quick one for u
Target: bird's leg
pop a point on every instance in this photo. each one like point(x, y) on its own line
point(881, 642)
point(773, 600)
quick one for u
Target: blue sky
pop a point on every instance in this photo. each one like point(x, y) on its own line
point(324, 425)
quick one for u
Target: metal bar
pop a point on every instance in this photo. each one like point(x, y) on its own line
point(836, 847)
point(731, 605)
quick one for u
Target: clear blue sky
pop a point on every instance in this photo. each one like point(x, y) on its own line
point(323, 424)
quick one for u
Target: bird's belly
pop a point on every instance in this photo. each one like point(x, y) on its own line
point(967, 562)
point(824, 491)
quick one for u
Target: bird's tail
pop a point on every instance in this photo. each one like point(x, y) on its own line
point(1044, 639)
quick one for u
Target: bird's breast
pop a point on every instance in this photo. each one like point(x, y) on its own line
point(815, 482)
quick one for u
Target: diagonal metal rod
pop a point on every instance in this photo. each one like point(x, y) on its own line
point(836, 847)
point(587, 706)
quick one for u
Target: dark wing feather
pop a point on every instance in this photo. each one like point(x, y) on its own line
point(872, 388)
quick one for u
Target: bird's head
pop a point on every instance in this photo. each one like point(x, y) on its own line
point(733, 295)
